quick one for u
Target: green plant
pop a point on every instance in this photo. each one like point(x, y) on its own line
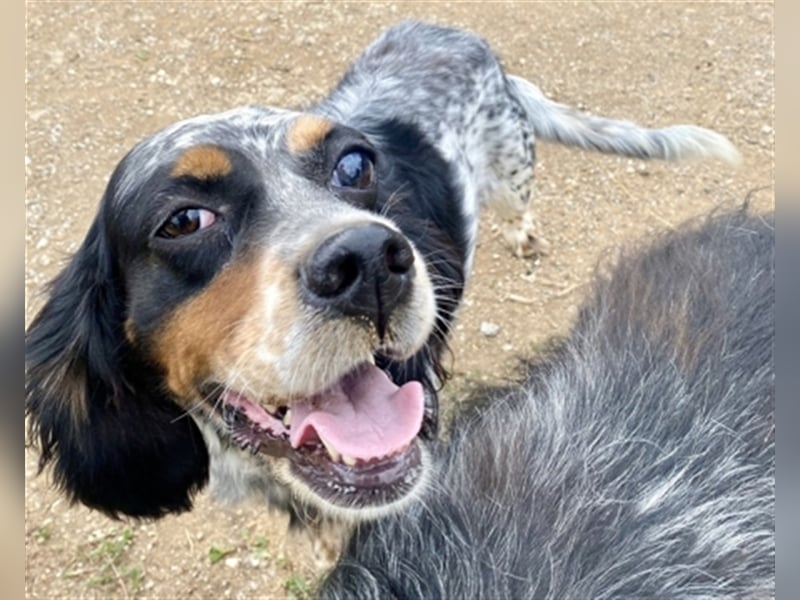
point(217, 554)
point(106, 565)
point(297, 588)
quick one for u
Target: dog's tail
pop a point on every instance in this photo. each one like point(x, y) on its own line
point(561, 123)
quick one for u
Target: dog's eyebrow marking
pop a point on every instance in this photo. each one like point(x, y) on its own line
point(202, 163)
point(306, 132)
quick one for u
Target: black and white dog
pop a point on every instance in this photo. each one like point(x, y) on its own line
point(264, 295)
point(636, 460)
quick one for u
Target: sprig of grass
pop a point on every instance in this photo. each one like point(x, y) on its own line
point(43, 534)
point(297, 588)
point(106, 564)
point(217, 554)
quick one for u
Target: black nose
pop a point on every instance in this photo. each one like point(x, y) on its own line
point(360, 271)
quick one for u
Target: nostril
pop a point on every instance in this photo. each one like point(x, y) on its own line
point(338, 276)
point(398, 256)
point(348, 269)
point(332, 271)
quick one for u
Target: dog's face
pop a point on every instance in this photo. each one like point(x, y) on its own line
point(255, 273)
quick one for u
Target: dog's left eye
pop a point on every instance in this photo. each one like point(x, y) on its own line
point(355, 169)
point(187, 221)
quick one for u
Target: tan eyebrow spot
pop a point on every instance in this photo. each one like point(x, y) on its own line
point(306, 132)
point(203, 163)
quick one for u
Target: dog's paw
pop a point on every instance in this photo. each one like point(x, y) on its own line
point(520, 237)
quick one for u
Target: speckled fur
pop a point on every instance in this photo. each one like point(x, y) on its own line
point(635, 460)
point(450, 84)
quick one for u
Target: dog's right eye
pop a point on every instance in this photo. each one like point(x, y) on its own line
point(186, 221)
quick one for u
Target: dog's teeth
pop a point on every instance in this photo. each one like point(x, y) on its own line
point(270, 408)
point(332, 452)
point(287, 418)
point(348, 460)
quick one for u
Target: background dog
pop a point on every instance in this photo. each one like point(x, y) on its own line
point(264, 296)
point(636, 460)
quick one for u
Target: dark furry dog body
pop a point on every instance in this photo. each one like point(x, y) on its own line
point(264, 296)
point(635, 461)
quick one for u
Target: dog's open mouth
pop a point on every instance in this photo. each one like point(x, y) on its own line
point(353, 444)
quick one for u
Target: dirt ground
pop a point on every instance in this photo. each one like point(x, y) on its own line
point(102, 75)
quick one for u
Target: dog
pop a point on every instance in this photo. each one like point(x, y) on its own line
point(635, 459)
point(264, 297)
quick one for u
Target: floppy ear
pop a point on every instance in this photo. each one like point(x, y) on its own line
point(116, 441)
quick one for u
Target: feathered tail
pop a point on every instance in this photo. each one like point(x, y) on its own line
point(561, 123)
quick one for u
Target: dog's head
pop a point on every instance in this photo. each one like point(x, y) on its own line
point(265, 289)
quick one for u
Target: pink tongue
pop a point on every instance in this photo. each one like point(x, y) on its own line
point(363, 416)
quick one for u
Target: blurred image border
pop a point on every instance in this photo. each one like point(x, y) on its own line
point(12, 299)
point(787, 286)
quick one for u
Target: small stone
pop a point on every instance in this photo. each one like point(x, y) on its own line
point(489, 329)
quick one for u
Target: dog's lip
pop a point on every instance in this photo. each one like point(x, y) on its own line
point(364, 470)
point(362, 418)
point(372, 484)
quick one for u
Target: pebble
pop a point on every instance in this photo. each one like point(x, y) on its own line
point(489, 329)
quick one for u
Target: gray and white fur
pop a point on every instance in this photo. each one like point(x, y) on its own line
point(636, 460)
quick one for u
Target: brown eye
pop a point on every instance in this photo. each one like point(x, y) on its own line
point(187, 221)
point(355, 169)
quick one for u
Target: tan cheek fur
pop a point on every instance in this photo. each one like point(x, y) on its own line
point(248, 330)
point(253, 361)
point(199, 334)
